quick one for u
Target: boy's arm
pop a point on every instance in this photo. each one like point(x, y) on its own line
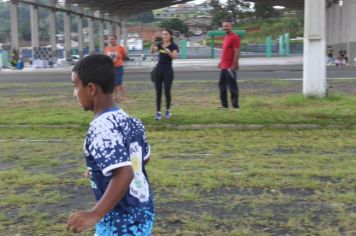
point(117, 188)
point(147, 160)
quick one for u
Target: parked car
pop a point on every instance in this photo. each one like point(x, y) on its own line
point(75, 59)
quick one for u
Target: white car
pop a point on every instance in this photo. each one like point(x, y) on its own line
point(75, 59)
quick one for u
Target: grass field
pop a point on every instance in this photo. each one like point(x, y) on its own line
point(283, 165)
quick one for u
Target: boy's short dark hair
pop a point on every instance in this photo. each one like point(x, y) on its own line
point(98, 69)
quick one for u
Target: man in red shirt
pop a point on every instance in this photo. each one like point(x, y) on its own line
point(229, 64)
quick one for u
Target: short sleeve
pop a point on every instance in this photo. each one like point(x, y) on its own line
point(174, 47)
point(236, 42)
point(107, 147)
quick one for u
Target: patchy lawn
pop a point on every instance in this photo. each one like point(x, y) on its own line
point(206, 181)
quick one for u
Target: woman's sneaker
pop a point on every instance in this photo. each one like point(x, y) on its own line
point(158, 116)
point(168, 114)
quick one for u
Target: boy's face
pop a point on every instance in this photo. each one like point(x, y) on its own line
point(82, 93)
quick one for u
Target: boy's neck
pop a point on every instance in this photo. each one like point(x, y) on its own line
point(103, 103)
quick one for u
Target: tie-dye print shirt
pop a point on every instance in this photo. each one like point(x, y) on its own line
point(114, 140)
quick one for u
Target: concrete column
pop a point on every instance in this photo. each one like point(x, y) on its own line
point(91, 36)
point(334, 25)
point(353, 20)
point(314, 73)
point(109, 28)
point(80, 33)
point(348, 25)
point(328, 25)
point(67, 34)
point(352, 52)
point(52, 29)
point(34, 25)
point(14, 15)
point(113, 29)
point(336, 21)
point(118, 30)
point(101, 33)
point(341, 28)
point(124, 32)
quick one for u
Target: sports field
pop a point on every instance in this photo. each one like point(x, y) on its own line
point(282, 165)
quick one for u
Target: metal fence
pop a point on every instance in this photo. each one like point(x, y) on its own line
point(195, 52)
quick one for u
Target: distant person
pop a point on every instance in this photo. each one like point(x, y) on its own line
point(330, 54)
point(116, 152)
point(164, 75)
point(229, 65)
point(14, 58)
point(342, 59)
point(118, 54)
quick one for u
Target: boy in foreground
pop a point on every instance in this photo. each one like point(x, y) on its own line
point(116, 151)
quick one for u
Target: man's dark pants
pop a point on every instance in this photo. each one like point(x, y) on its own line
point(228, 78)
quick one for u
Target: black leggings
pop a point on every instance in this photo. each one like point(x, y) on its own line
point(164, 75)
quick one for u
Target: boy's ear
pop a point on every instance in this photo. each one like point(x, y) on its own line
point(93, 89)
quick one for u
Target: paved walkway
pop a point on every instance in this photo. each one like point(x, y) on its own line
point(258, 63)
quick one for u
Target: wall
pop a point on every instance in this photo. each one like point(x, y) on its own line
point(341, 28)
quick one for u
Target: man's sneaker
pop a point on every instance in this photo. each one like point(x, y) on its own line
point(158, 115)
point(168, 114)
point(236, 108)
point(222, 107)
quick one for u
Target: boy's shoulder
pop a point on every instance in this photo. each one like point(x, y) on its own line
point(109, 120)
point(110, 117)
point(137, 121)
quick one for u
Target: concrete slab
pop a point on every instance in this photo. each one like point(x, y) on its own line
point(259, 63)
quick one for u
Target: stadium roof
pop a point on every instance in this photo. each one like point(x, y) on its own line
point(124, 8)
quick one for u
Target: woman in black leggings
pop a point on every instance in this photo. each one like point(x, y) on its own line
point(164, 71)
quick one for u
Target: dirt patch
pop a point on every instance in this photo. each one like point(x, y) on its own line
point(281, 150)
point(7, 166)
point(298, 192)
point(273, 217)
point(327, 179)
point(76, 198)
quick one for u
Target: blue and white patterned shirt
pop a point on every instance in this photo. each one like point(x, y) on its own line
point(114, 140)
